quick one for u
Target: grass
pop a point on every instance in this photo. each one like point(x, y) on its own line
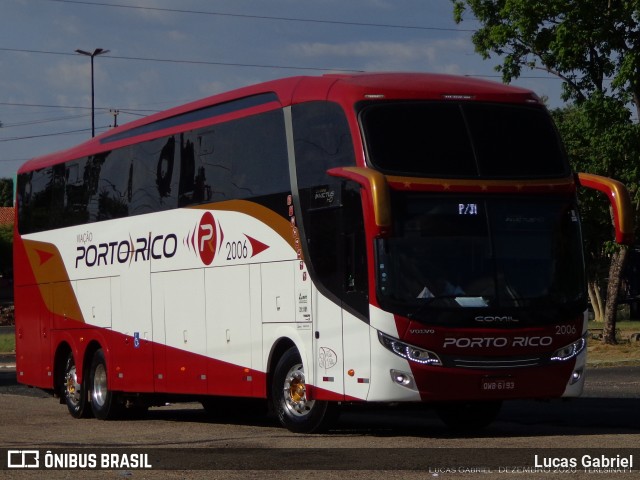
point(625, 351)
point(599, 353)
point(7, 342)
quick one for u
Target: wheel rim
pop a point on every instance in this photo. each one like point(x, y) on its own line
point(99, 393)
point(72, 387)
point(295, 392)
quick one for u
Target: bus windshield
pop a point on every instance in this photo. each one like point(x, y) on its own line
point(464, 251)
point(462, 140)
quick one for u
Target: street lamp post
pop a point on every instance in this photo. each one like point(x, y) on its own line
point(96, 52)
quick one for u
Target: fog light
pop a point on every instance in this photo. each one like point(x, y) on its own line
point(403, 379)
point(575, 376)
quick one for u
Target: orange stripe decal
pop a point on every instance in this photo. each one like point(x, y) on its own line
point(48, 268)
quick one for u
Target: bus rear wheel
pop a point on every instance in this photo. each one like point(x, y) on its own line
point(468, 416)
point(74, 390)
point(294, 409)
point(104, 402)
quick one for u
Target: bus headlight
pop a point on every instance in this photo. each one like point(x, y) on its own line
point(570, 351)
point(410, 352)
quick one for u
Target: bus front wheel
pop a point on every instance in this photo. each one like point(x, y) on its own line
point(295, 410)
point(104, 402)
point(74, 390)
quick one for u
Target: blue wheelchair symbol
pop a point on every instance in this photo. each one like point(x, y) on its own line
point(136, 339)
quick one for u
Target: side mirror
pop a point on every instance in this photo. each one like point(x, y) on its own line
point(376, 191)
point(620, 203)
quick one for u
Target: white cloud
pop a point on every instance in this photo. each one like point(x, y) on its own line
point(177, 36)
point(363, 49)
point(67, 26)
point(387, 55)
point(144, 85)
point(207, 89)
point(70, 75)
point(148, 13)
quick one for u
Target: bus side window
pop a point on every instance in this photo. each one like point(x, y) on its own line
point(331, 208)
point(34, 198)
point(243, 158)
point(356, 279)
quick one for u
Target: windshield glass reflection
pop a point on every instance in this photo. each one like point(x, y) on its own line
point(474, 252)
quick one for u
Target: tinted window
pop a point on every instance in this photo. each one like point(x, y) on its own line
point(194, 116)
point(476, 251)
point(462, 140)
point(514, 141)
point(416, 138)
point(34, 199)
point(331, 208)
point(322, 141)
point(238, 159)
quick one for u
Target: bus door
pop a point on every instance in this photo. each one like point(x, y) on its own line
point(332, 235)
point(336, 245)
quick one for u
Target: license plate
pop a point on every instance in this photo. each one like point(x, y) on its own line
point(497, 384)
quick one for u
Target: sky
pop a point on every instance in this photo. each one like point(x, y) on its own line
point(164, 53)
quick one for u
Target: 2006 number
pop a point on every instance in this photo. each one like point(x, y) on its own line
point(237, 250)
point(566, 330)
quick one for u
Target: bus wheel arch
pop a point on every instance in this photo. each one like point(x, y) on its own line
point(277, 351)
point(288, 394)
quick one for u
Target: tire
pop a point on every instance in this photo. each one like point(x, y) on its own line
point(104, 402)
point(74, 391)
point(468, 416)
point(295, 411)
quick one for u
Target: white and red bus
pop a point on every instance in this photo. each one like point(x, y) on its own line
point(313, 241)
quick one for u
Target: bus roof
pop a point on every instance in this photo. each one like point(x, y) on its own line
point(346, 89)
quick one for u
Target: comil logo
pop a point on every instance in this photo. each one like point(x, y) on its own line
point(207, 238)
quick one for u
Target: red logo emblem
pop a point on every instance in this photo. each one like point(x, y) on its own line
point(207, 238)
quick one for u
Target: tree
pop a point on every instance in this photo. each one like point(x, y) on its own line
point(6, 250)
point(594, 47)
point(6, 192)
point(6, 231)
point(599, 135)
